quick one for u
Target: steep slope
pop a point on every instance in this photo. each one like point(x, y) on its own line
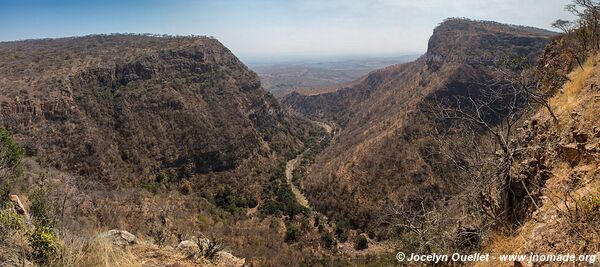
point(165, 137)
point(122, 107)
point(382, 157)
point(559, 164)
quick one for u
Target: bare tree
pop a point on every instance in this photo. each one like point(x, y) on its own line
point(490, 114)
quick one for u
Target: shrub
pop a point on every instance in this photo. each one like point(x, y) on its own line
point(361, 242)
point(292, 233)
point(590, 207)
point(9, 222)
point(340, 232)
point(278, 196)
point(327, 239)
point(10, 152)
point(44, 243)
point(42, 240)
point(186, 187)
point(214, 246)
point(202, 222)
point(41, 208)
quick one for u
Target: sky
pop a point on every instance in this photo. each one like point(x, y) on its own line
point(260, 29)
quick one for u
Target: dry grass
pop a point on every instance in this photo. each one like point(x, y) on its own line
point(571, 93)
point(85, 251)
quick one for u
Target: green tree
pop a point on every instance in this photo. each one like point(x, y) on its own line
point(11, 168)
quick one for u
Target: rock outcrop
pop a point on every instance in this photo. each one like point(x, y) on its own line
point(118, 238)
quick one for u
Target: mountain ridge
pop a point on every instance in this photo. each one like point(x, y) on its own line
point(381, 155)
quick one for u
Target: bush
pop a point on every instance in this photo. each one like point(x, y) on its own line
point(186, 187)
point(361, 242)
point(214, 246)
point(41, 208)
point(44, 243)
point(340, 232)
point(10, 152)
point(327, 239)
point(42, 240)
point(292, 233)
point(9, 222)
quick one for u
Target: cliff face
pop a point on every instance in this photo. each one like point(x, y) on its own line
point(383, 154)
point(124, 107)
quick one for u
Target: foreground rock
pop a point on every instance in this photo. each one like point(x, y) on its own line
point(226, 259)
point(118, 238)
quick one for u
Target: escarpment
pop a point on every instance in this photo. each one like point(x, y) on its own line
point(123, 107)
point(384, 162)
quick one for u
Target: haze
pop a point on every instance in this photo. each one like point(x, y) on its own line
point(270, 29)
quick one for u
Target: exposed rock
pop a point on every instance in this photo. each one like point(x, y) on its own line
point(580, 136)
point(188, 247)
point(118, 237)
point(381, 118)
point(138, 102)
point(591, 148)
point(226, 259)
point(570, 152)
point(20, 209)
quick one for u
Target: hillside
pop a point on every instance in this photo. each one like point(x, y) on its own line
point(159, 136)
point(146, 150)
point(122, 107)
point(384, 166)
point(559, 164)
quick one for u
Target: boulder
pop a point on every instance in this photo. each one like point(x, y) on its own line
point(226, 259)
point(188, 247)
point(118, 237)
point(20, 209)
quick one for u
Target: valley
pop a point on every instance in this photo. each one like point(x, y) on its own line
point(168, 150)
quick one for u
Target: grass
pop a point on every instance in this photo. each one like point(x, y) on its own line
point(95, 253)
point(571, 93)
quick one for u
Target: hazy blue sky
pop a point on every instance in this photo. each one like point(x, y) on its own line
point(272, 27)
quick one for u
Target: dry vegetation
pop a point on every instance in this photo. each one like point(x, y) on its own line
point(165, 137)
point(476, 174)
point(173, 139)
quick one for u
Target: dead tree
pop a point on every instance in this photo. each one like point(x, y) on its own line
point(490, 113)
